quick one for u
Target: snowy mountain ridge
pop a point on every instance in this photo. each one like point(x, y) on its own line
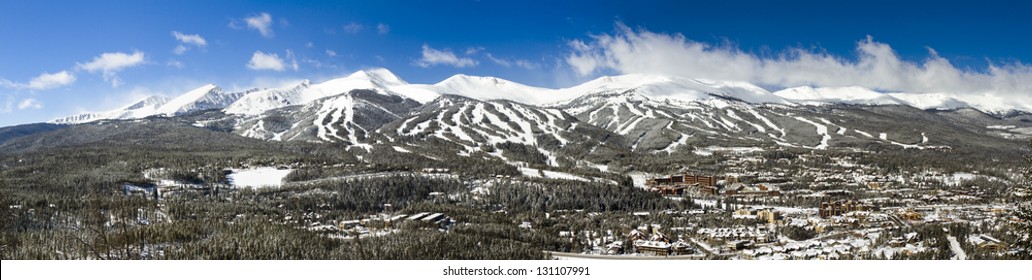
point(655, 87)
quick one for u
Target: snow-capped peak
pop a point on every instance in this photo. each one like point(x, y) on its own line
point(152, 102)
point(186, 101)
point(648, 86)
point(837, 95)
point(675, 88)
point(488, 88)
point(379, 76)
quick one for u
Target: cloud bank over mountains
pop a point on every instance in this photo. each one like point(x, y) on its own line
point(876, 66)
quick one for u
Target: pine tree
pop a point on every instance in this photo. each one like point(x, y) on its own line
point(1024, 211)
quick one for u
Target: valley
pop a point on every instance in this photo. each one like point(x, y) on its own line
point(368, 166)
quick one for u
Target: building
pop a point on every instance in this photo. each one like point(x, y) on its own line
point(657, 248)
point(910, 215)
point(828, 209)
point(740, 189)
point(769, 215)
point(986, 243)
point(677, 184)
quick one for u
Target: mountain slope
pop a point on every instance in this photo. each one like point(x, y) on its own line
point(377, 80)
point(139, 109)
point(549, 135)
point(345, 118)
point(206, 97)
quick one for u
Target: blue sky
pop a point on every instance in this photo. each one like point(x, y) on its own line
point(63, 57)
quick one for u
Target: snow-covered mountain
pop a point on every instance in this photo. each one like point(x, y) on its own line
point(379, 80)
point(988, 103)
point(674, 88)
point(837, 95)
point(203, 98)
point(347, 118)
point(206, 97)
point(139, 109)
point(475, 125)
point(655, 87)
point(648, 112)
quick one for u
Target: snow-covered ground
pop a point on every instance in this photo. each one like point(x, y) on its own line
point(958, 178)
point(531, 172)
point(639, 178)
point(258, 177)
point(958, 253)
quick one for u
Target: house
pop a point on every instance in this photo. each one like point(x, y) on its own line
point(656, 248)
point(735, 245)
point(910, 215)
point(681, 248)
point(418, 216)
point(986, 243)
point(434, 218)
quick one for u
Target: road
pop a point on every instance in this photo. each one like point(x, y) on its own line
point(367, 176)
point(573, 256)
point(958, 253)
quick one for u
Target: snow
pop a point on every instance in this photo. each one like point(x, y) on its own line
point(548, 174)
point(683, 140)
point(205, 97)
point(139, 109)
point(766, 121)
point(400, 149)
point(957, 178)
point(258, 177)
point(639, 178)
point(836, 95)
point(657, 87)
point(304, 92)
point(822, 130)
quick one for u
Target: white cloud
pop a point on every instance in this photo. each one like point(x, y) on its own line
point(509, 63)
point(175, 63)
point(352, 28)
point(293, 60)
point(192, 39)
point(180, 49)
point(8, 105)
point(432, 57)
point(186, 40)
point(876, 66)
point(474, 50)
point(48, 80)
point(383, 28)
point(30, 103)
point(331, 53)
point(111, 63)
point(526, 64)
point(261, 22)
point(43, 81)
point(266, 61)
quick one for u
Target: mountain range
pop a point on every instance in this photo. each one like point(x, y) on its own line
point(636, 112)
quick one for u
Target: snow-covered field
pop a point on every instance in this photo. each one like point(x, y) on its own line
point(258, 177)
point(530, 172)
